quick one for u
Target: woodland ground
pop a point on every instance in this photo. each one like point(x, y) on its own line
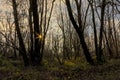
point(71, 70)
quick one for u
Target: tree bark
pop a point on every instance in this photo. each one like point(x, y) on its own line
point(21, 43)
point(80, 34)
point(100, 53)
point(36, 32)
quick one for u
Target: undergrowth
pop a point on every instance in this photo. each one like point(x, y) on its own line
point(70, 70)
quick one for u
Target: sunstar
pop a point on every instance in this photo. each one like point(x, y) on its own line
point(39, 36)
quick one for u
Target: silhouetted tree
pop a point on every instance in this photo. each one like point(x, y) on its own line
point(79, 28)
point(21, 43)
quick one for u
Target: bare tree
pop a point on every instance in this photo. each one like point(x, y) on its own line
point(21, 43)
point(78, 29)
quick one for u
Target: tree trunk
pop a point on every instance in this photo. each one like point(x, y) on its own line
point(80, 34)
point(21, 43)
point(36, 32)
point(95, 30)
point(100, 53)
point(31, 32)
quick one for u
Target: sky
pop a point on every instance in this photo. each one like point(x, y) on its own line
point(3, 6)
point(8, 8)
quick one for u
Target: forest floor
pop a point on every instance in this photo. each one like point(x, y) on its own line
point(14, 70)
